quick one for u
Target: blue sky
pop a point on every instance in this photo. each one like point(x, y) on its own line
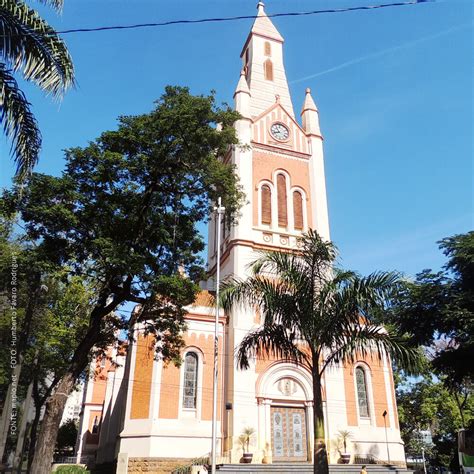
point(393, 87)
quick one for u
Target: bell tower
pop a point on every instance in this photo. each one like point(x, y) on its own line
point(279, 160)
point(280, 165)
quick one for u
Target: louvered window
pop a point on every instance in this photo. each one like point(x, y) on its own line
point(298, 210)
point(281, 197)
point(190, 380)
point(268, 66)
point(268, 49)
point(362, 397)
point(266, 197)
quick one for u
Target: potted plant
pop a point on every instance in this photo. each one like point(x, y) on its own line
point(343, 436)
point(244, 440)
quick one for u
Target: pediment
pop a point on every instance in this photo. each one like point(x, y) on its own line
point(261, 133)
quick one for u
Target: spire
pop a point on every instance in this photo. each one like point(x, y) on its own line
point(262, 60)
point(310, 116)
point(263, 25)
point(242, 85)
point(242, 96)
point(308, 102)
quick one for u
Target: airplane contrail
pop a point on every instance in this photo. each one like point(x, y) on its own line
point(383, 52)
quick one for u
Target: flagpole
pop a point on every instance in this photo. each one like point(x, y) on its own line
point(219, 210)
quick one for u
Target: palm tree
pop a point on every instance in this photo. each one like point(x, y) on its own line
point(314, 315)
point(28, 45)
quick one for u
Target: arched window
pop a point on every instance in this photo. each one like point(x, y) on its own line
point(268, 69)
point(362, 392)
point(282, 205)
point(266, 202)
point(298, 210)
point(190, 380)
point(95, 425)
point(268, 49)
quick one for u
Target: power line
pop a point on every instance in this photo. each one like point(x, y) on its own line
point(242, 17)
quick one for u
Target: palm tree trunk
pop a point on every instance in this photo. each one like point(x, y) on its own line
point(320, 458)
point(50, 425)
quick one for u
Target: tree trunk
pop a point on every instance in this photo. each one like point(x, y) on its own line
point(320, 458)
point(33, 435)
point(49, 427)
point(7, 411)
point(18, 459)
point(44, 451)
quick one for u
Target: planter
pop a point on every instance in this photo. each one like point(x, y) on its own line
point(247, 458)
point(345, 458)
point(266, 460)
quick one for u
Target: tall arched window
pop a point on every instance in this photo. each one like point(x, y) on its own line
point(298, 210)
point(190, 380)
point(282, 205)
point(268, 49)
point(362, 392)
point(266, 202)
point(268, 69)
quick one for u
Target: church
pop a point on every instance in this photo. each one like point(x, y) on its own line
point(137, 410)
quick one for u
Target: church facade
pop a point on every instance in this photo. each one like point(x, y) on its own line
point(142, 409)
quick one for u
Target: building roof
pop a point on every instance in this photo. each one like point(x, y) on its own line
point(263, 26)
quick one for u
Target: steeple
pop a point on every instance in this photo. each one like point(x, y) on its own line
point(262, 60)
point(310, 115)
point(242, 96)
point(263, 25)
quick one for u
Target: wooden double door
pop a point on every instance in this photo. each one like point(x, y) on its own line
point(289, 436)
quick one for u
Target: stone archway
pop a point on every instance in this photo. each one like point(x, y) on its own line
point(285, 417)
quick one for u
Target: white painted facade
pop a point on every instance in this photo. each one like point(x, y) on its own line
point(143, 411)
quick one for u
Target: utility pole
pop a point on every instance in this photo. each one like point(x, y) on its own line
point(219, 211)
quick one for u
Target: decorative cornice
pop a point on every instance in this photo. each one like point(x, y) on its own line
point(280, 150)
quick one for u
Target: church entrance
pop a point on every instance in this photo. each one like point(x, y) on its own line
point(289, 437)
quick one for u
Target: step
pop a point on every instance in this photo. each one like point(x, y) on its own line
point(306, 468)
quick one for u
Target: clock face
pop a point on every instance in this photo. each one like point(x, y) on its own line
point(279, 131)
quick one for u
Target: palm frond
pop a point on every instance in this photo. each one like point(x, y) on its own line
point(273, 298)
point(370, 340)
point(28, 44)
point(19, 123)
point(56, 4)
point(270, 340)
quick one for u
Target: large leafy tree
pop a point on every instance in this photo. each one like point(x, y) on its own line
point(315, 315)
point(124, 214)
point(426, 405)
point(50, 312)
point(29, 46)
point(437, 311)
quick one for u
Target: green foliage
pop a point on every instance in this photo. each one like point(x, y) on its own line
point(30, 46)
point(437, 310)
point(245, 438)
point(315, 315)
point(186, 468)
point(71, 470)
point(67, 435)
point(125, 211)
point(302, 296)
point(426, 404)
point(343, 436)
point(121, 223)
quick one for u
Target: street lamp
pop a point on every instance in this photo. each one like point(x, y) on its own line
point(219, 210)
point(384, 414)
